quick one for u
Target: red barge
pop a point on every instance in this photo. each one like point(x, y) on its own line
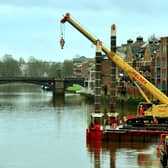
point(124, 135)
point(142, 129)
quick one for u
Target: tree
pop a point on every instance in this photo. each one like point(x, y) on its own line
point(21, 60)
point(1, 68)
point(10, 66)
point(55, 70)
point(36, 68)
point(68, 68)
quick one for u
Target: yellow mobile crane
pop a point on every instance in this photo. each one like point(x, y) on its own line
point(154, 110)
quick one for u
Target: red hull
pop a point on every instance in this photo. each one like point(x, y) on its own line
point(96, 135)
point(124, 135)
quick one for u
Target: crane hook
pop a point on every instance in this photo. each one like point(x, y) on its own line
point(62, 41)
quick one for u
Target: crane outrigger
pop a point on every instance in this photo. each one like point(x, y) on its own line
point(159, 112)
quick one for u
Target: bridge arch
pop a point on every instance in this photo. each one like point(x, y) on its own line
point(57, 85)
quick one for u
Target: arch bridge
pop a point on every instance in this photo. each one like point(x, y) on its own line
point(57, 85)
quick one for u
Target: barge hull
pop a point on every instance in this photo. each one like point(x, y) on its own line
point(125, 135)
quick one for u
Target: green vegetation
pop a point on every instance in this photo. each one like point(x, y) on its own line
point(134, 100)
point(129, 101)
point(34, 67)
point(74, 88)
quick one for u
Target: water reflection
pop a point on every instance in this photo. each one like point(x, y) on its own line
point(122, 154)
point(39, 131)
point(69, 99)
point(59, 101)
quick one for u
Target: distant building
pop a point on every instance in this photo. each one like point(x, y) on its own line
point(81, 65)
point(149, 58)
point(85, 67)
point(141, 56)
point(161, 66)
point(77, 66)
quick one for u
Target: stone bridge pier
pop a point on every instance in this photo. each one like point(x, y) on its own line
point(59, 88)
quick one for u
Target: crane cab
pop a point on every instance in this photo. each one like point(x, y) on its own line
point(143, 109)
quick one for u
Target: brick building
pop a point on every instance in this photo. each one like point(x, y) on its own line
point(141, 56)
point(85, 68)
point(149, 58)
point(161, 66)
point(81, 65)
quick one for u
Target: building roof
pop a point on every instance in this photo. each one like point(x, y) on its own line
point(136, 50)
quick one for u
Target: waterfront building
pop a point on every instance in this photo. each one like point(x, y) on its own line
point(149, 58)
point(84, 67)
point(140, 55)
point(81, 65)
point(161, 66)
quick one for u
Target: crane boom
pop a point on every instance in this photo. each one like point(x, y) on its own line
point(130, 71)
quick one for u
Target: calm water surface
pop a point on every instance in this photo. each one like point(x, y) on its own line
point(39, 132)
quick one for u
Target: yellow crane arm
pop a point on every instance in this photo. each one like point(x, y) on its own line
point(130, 71)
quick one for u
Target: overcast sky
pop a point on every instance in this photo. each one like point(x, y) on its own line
point(32, 27)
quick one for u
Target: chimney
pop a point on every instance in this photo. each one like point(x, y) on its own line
point(129, 41)
point(139, 39)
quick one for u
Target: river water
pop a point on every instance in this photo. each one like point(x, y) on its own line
point(39, 132)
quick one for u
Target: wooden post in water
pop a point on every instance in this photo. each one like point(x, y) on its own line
point(98, 68)
point(113, 70)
